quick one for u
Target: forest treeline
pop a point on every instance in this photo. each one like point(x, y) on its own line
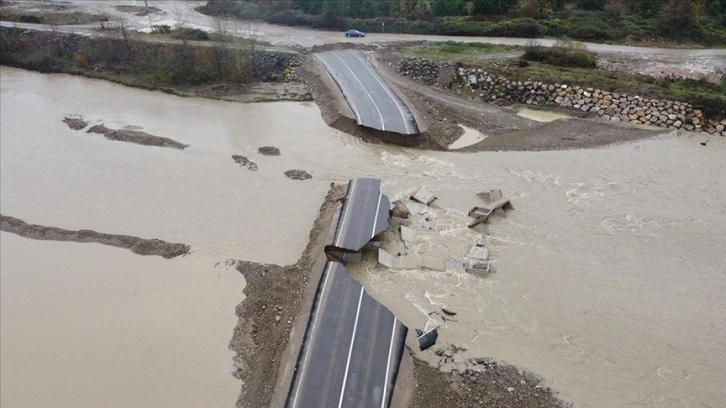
point(702, 21)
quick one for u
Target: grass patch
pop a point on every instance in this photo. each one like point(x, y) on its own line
point(52, 17)
point(467, 53)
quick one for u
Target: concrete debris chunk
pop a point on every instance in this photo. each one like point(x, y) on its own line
point(479, 252)
point(423, 196)
point(407, 233)
point(427, 339)
point(448, 311)
point(490, 196)
point(455, 265)
point(482, 214)
point(385, 258)
point(478, 268)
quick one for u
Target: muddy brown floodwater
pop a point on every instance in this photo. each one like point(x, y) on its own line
point(609, 277)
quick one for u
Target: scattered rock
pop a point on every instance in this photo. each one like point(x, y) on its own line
point(298, 174)
point(75, 122)
point(269, 151)
point(244, 162)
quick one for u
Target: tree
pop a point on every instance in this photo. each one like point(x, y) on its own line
point(448, 7)
point(591, 4)
point(681, 17)
point(489, 7)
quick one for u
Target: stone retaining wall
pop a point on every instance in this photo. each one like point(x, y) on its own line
point(612, 106)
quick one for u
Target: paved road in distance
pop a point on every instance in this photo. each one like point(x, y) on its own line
point(373, 102)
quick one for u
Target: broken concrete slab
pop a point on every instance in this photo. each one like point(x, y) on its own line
point(479, 252)
point(385, 258)
point(423, 196)
point(490, 196)
point(501, 204)
point(407, 234)
point(476, 267)
point(427, 339)
point(455, 265)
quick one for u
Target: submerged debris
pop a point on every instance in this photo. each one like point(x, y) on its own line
point(75, 122)
point(244, 162)
point(494, 201)
point(448, 311)
point(269, 151)
point(298, 174)
point(423, 196)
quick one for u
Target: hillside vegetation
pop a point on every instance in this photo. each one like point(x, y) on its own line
point(665, 21)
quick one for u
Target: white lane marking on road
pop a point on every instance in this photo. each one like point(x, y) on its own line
point(388, 364)
point(375, 216)
point(346, 211)
point(385, 88)
point(312, 332)
point(383, 125)
point(350, 350)
point(330, 72)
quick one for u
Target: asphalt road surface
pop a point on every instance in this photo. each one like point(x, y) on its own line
point(373, 102)
point(364, 215)
point(352, 348)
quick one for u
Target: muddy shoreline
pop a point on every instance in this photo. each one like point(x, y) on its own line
point(274, 295)
point(137, 245)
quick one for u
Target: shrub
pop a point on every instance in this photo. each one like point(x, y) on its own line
point(519, 27)
point(81, 61)
point(27, 18)
point(564, 53)
point(192, 34)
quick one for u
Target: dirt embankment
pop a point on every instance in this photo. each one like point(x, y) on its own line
point(444, 110)
point(274, 295)
point(135, 136)
point(490, 385)
point(137, 245)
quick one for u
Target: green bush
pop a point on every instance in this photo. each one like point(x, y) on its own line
point(590, 29)
point(519, 27)
point(563, 54)
point(192, 34)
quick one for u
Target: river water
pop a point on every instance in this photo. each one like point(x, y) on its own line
point(610, 271)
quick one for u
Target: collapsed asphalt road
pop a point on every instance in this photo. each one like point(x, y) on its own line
point(353, 345)
point(374, 103)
